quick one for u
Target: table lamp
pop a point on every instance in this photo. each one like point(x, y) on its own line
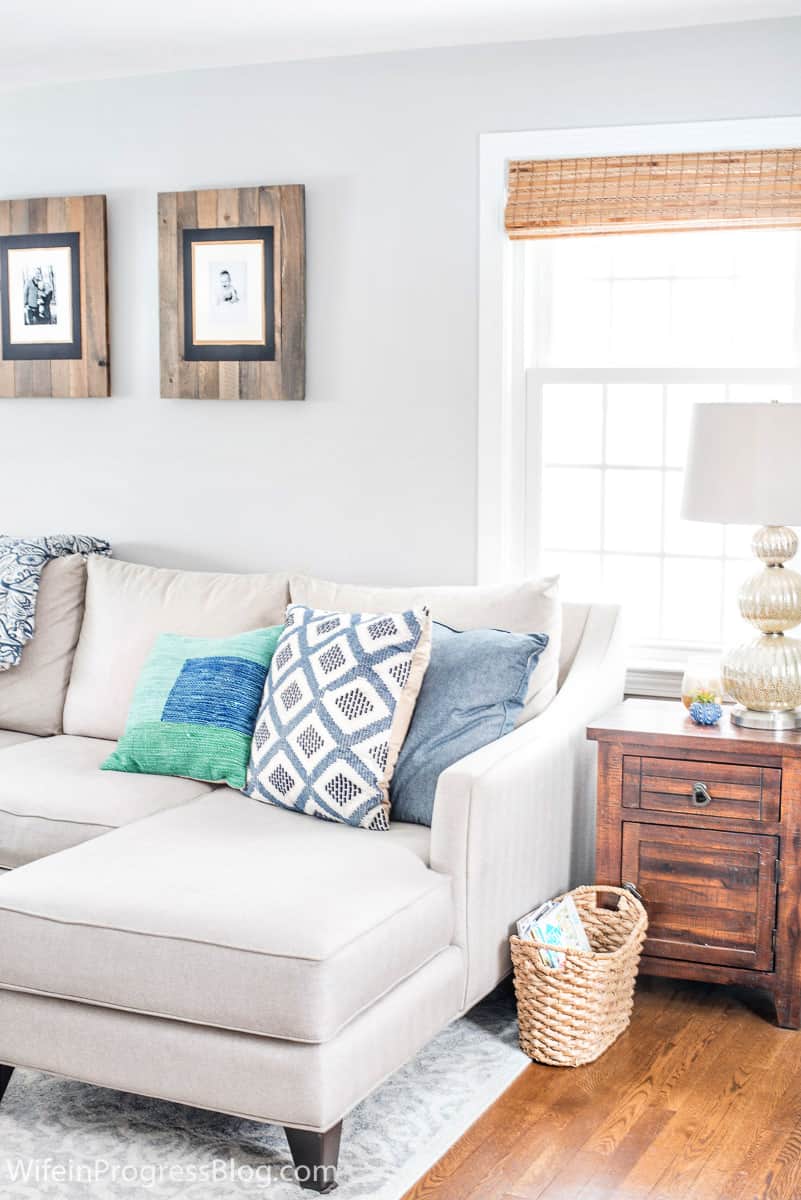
point(744, 468)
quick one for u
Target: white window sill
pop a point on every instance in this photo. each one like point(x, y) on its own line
point(653, 680)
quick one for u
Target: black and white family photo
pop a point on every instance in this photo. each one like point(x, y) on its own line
point(39, 295)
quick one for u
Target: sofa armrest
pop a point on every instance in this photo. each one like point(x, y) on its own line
point(513, 823)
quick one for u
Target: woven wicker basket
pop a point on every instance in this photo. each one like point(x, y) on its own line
point(569, 1016)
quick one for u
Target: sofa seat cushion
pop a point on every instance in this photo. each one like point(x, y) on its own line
point(9, 737)
point(228, 913)
point(53, 795)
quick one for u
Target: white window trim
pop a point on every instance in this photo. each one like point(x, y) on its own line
point(502, 435)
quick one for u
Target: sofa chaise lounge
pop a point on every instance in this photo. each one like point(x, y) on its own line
point(180, 940)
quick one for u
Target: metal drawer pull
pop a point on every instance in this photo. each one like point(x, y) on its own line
point(701, 796)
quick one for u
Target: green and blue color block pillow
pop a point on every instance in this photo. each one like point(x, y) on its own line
point(195, 707)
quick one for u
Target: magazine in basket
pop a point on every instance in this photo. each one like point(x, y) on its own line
point(557, 923)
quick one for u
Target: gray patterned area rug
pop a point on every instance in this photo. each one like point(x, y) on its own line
point(66, 1140)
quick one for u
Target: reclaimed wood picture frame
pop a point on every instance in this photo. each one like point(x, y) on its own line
point(54, 298)
point(232, 282)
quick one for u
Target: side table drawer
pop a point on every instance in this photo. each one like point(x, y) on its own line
point(708, 789)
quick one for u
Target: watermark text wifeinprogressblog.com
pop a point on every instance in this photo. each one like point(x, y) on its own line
point(43, 1171)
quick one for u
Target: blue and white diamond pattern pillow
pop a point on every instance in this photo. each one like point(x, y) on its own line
point(335, 711)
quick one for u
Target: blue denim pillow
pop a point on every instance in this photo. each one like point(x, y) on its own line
point(472, 693)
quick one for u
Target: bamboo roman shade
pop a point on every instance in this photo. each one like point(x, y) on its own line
point(649, 193)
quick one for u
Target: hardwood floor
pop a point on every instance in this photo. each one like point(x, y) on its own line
point(699, 1100)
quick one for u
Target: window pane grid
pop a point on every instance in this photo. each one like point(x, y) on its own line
point(658, 581)
point(624, 335)
point(690, 299)
point(663, 516)
point(604, 438)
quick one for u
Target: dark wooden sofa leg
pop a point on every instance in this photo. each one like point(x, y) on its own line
point(5, 1078)
point(315, 1156)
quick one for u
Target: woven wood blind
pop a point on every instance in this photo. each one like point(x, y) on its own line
point(648, 193)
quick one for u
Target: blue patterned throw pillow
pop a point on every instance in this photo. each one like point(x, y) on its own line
point(336, 707)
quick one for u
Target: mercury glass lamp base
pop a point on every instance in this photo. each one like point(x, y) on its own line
point(750, 718)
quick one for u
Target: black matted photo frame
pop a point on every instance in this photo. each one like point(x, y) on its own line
point(40, 296)
point(54, 297)
point(232, 266)
point(229, 290)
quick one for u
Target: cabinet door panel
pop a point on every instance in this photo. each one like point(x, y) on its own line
point(711, 897)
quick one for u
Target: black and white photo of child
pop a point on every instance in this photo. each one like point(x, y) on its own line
point(228, 288)
point(226, 292)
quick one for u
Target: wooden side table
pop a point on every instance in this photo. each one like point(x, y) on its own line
point(706, 823)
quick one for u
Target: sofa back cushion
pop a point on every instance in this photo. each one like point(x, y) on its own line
point(32, 693)
point(128, 606)
point(574, 620)
point(531, 606)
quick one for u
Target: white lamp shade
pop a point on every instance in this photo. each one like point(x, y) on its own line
point(744, 465)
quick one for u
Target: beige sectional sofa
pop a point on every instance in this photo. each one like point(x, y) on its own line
point(180, 940)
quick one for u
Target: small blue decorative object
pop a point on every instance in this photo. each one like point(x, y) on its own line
point(705, 713)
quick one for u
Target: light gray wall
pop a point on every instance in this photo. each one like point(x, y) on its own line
point(374, 476)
